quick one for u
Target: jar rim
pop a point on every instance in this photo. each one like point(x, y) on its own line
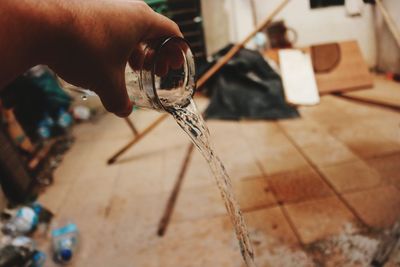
point(158, 49)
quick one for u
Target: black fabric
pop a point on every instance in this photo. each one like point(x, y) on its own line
point(325, 3)
point(246, 88)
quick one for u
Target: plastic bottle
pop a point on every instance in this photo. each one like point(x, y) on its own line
point(64, 118)
point(38, 259)
point(24, 221)
point(21, 252)
point(44, 127)
point(65, 242)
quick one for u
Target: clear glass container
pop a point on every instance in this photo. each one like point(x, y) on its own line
point(162, 75)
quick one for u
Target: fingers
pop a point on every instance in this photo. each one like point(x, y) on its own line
point(136, 60)
point(169, 57)
point(161, 26)
point(115, 98)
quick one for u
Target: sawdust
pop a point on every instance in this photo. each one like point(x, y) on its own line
point(345, 249)
point(271, 252)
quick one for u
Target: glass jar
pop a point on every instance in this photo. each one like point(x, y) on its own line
point(162, 75)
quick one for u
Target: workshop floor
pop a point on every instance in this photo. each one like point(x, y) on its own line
point(315, 191)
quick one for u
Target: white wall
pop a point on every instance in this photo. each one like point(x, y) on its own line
point(225, 21)
point(388, 49)
point(216, 24)
point(312, 25)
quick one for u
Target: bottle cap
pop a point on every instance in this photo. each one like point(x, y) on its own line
point(66, 254)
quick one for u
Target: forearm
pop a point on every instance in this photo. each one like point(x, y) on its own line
point(28, 31)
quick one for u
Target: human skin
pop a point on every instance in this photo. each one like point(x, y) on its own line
point(86, 42)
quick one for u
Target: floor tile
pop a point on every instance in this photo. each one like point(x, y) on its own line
point(367, 130)
point(377, 207)
point(204, 242)
point(271, 148)
point(281, 160)
point(299, 185)
point(365, 143)
point(197, 203)
point(388, 167)
point(274, 242)
point(253, 194)
point(272, 223)
point(198, 172)
point(305, 132)
point(329, 153)
point(141, 176)
point(351, 176)
point(52, 198)
point(318, 219)
point(121, 205)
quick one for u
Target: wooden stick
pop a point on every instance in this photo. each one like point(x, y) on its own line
point(222, 61)
point(389, 21)
point(162, 227)
point(137, 138)
point(133, 128)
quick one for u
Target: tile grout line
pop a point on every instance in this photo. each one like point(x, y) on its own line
point(326, 181)
point(272, 190)
point(280, 204)
point(359, 157)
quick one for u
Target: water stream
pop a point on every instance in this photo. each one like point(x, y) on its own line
point(191, 121)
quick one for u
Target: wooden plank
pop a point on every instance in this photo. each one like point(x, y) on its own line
point(384, 92)
point(351, 73)
point(41, 154)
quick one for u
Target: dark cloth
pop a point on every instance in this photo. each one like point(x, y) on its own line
point(246, 88)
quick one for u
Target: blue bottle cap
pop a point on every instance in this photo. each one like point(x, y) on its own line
point(66, 254)
point(37, 208)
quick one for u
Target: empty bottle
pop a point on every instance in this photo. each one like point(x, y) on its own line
point(161, 76)
point(24, 221)
point(21, 252)
point(164, 78)
point(65, 242)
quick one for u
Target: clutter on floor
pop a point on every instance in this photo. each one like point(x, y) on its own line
point(302, 119)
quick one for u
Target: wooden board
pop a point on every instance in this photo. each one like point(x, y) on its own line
point(350, 74)
point(384, 92)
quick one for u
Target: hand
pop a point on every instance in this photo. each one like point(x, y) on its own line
point(96, 38)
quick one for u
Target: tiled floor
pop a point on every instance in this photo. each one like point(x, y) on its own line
point(315, 191)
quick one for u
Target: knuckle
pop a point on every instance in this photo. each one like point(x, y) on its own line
point(176, 27)
point(143, 7)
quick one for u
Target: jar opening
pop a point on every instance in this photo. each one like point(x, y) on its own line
point(173, 73)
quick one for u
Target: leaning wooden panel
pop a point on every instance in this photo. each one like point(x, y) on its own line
point(350, 73)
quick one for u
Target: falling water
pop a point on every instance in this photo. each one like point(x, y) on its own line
point(190, 120)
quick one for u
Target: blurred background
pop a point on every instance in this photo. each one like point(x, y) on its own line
point(302, 100)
